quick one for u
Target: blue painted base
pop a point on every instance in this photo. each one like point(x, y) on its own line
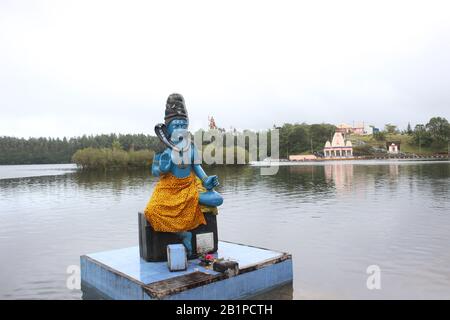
point(121, 274)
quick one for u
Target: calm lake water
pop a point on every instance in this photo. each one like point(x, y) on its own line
point(335, 218)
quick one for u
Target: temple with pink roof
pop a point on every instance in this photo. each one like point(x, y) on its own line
point(338, 147)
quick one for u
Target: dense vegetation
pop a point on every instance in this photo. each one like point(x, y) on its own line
point(112, 158)
point(304, 138)
point(55, 150)
point(424, 139)
point(127, 150)
point(434, 134)
point(294, 139)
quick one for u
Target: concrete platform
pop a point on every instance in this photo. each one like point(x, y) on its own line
point(122, 274)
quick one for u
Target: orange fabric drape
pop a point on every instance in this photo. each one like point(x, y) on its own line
point(174, 205)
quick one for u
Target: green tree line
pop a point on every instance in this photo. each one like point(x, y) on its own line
point(294, 139)
point(304, 138)
point(436, 133)
point(298, 138)
point(55, 150)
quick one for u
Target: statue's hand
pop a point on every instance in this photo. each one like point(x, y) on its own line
point(165, 161)
point(211, 182)
point(155, 165)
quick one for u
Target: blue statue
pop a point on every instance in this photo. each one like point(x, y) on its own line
point(175, 203)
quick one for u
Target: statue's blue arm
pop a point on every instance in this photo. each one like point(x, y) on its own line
point(209, 198)
point(155, 165)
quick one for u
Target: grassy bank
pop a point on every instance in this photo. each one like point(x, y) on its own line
point(111, 158)
point(116, 158)
point(407, 144)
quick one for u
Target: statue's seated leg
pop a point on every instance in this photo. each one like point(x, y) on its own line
point(210, 198)
point(186, 238)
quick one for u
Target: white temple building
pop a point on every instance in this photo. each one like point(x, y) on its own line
point(393, 147)
point(338, 148)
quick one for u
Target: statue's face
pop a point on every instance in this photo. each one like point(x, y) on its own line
point(178, 130)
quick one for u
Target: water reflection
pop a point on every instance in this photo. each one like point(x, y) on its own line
point(335, 218)
point(341, 174)
point(393, 170)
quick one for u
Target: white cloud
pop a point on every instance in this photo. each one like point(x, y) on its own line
point(74, 67)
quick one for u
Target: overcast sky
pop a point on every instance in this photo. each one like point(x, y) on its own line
point(69, 68)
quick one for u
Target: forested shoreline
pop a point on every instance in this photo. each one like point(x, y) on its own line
point(128, 150)
point(294, 138)
point(55, 150)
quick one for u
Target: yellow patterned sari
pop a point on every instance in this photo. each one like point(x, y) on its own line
point(174, 205)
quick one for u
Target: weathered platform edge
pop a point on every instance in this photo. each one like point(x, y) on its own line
point(251, 281)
